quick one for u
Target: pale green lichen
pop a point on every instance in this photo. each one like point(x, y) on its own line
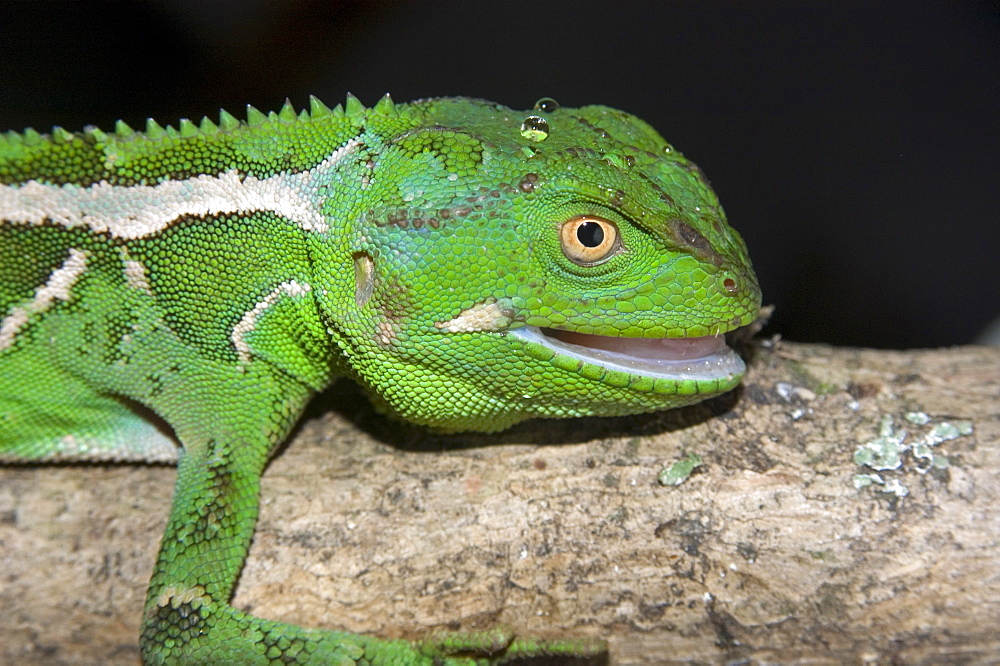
point(864, 480)
point(679, 472)
point(894, 487)
point(886, 451)
point(923, 456)
point(945, 431)
point(890, 452)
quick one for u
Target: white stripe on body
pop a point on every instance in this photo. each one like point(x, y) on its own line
point(248, 322)
point(138, 211)
point(56, 288)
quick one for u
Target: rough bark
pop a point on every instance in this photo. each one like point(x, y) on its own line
point(767, 552)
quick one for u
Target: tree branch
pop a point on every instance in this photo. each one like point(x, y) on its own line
point(768, 551)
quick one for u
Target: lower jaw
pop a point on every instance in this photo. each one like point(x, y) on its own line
point(686, 364)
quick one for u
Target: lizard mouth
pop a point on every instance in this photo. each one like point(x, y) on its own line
point(700, 358)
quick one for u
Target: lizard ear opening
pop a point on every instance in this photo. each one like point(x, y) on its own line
point(364, 278)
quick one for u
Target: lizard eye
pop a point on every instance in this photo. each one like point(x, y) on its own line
point(589, 240)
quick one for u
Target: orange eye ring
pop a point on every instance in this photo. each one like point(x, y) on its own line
point(588, 240)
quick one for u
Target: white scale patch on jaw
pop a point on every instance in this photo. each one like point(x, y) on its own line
point(57, 288)
point(138, 211)
point(488, 316)
point(248, 322)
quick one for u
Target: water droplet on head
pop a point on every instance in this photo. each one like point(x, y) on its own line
point(546, 105)
point(535, 128)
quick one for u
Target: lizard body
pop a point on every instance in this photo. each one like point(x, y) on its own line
point(471, 266)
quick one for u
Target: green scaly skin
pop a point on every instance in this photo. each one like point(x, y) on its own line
point(221, 274)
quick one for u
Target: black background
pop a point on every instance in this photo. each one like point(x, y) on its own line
point(856, 146)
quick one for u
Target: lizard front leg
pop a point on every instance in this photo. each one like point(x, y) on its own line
point(188, 618)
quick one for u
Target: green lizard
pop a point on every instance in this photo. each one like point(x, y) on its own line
point(471, 266)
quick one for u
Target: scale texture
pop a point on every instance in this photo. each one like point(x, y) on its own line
point(178, 295)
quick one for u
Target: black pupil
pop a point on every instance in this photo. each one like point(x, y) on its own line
point(590, 234)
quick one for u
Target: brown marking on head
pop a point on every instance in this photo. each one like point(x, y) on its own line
point(600, 131)
point(528, 183)
point(688, 237)
point(660, 192)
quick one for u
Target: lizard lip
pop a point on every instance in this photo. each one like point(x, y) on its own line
point(698, 358)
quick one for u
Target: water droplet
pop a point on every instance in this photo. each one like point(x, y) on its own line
point(535, 128)
point(546, 105)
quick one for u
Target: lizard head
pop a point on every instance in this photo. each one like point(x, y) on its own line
point(552, 262)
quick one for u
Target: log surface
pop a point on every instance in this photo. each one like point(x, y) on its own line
point(768, 551)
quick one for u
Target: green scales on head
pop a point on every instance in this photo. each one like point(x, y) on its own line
point(470, 265)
